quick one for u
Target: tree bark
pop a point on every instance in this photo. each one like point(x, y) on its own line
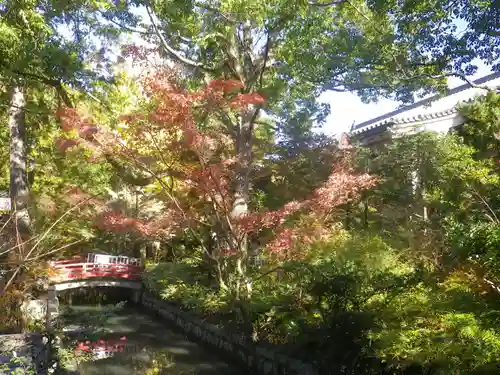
point(365, 214)
point(243, 145)
point(19, 191)
point(242, 190)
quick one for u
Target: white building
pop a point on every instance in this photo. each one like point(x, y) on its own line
point(436, 113)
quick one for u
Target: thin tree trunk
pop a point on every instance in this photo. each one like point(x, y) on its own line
point(19, 191)
point(365, 214)
point(348, 216)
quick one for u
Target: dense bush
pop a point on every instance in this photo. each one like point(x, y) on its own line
point(478, 243)
point(359, 304)
point(183, 283)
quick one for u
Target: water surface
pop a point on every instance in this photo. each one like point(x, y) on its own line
point(147, 343)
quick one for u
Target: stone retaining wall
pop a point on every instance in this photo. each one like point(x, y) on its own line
point(263, 361)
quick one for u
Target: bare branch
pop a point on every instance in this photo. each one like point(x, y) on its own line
point(339, 86)
point(266, 57)
point(54, 250)
point(468, 81)
point(495, 217)
point(274, 269)
point(358, 11)
point(41, 238)
point(18, 245)
point(99, 101)
point(328, 4)
point(6, 223)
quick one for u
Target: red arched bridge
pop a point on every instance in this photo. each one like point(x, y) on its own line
point(96, 270)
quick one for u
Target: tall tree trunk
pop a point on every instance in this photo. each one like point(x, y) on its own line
point(242, 190)
point(19, 191)
point(244, 156)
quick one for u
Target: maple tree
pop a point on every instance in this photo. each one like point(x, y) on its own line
point(175, 141)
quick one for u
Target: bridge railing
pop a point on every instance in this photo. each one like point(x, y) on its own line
point(114, 259)
point(69, 271)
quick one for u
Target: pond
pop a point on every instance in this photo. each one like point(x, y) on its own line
point(123, 339)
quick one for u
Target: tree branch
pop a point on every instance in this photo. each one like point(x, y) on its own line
point(330, 3)
point(215, 10)
point(468, 81)
point(169, 49)
point(266, 57)
point(41, 238)
point(63, 94)
point(126, 175)
point(26, 109)
point(339, 86)
point(124, 27)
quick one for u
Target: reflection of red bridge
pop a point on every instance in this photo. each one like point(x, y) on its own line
point(104, 349)
point(96, 266)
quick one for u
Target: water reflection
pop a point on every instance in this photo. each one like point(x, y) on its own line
point(124, 340)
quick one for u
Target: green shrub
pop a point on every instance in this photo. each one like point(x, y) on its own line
point(360, 302)
point(448, 325)
point(357, 306)
point(184, 284)
point(478, 243)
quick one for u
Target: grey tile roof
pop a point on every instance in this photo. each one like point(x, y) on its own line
point(406, 120)
point(392, 118)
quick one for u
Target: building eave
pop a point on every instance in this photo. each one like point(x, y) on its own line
point(395, 117)
point(380, 126)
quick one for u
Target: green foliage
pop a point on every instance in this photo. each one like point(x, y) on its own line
point(359, 300)
point(414, 297)
point(66, 357)
point(449, 177)
point(448, 325)
point(17, 366)
point(482, 130)
point(453, 188)
point(478, 243)
point(299, 163)
point(345, 46)
point(446, 322)
point(184, 284)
